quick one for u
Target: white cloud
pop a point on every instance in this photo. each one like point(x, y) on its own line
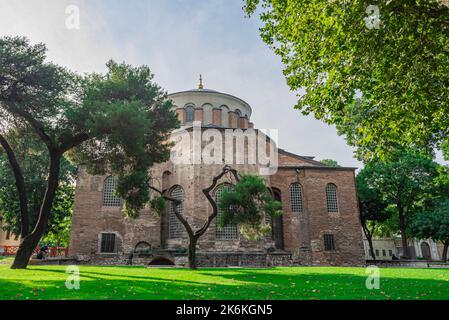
point(179, 40)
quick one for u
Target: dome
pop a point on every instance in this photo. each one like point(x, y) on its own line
point(211, 107)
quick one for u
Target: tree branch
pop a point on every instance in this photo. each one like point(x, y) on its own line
point(206, 192)
point(74, 141)
point(175, 203)
point(37, 126)
point(20, 185)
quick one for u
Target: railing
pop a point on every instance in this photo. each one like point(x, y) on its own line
point(52, 251)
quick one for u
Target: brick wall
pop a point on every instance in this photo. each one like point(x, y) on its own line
point(303, 232)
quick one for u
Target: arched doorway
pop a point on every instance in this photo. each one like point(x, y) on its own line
point(425, 251)
point(278, 226)
point(161, 261)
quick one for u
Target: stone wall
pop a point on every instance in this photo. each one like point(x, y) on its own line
point(302, 232)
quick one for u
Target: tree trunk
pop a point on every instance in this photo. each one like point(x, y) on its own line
point(446, 246)
point(192, 252)
point(402, 228)
point(25, 251)
point(371, 247)
point(20, 185)
point(31, 241)
point(369, 238)
point(195, 235)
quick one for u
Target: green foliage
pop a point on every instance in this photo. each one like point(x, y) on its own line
point(133, 188)
point(117, 123)
point(406, 182)
point(34, 92)
point(60, 221)
point(433, 223)
point(382, 87)
point(330, 163)
point(158, 204)
point(247, 204)
point(445, 149)
point(34, 161)
point(131, 120)
point(373, 208)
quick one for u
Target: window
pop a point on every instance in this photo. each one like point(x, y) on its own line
point(109, 199)
point(296, 197)
point(230, 231)
point(238, 115)
point(329, 243)
point(377, 252)
point(176, 229)
point(190, 114)
point(8, 234)
point(384, 253)
point(390, 253)
point(331, 197)
point(107, 243)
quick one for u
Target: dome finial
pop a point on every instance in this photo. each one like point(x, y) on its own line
point(200, 83)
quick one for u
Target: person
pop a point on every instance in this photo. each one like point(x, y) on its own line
point(42, 254)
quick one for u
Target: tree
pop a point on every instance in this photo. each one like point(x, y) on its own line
point(60, 222)
point(32, 156)
point(373, 210)
point(251, 188)
point(379, 73)
point(405, 180)
point(330, 163)
point(433, 224)
point(117, 122)
point(248, 204)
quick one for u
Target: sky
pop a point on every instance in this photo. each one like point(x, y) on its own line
point(179, 40)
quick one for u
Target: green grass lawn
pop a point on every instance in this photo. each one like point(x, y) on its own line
point(48, 282)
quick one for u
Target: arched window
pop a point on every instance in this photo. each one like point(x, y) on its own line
point(331, 197)
point(277, 224)
point(425, 251)
point(109, 198)
point(166, 180)
point(238, 114)
point(176, 229)
point(230, 231)
point(296, 197)
point(190, 114)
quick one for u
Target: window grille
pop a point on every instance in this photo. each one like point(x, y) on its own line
point(228, 232)
point(109, 198)
point(296, 197)
point(331, 197)
point(329, 242)
point(176, 229)
point(190, 114)
point(107, 242)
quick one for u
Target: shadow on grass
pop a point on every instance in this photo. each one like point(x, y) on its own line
point(220, 284)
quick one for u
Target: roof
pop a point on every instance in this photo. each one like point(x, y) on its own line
point(308, 159)
point(210, 91)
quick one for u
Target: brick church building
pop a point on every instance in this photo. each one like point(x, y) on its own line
point(319, 225)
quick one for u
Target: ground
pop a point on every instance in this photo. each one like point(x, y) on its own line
point(48, 282)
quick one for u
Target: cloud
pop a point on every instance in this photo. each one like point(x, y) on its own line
point(178, 40)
